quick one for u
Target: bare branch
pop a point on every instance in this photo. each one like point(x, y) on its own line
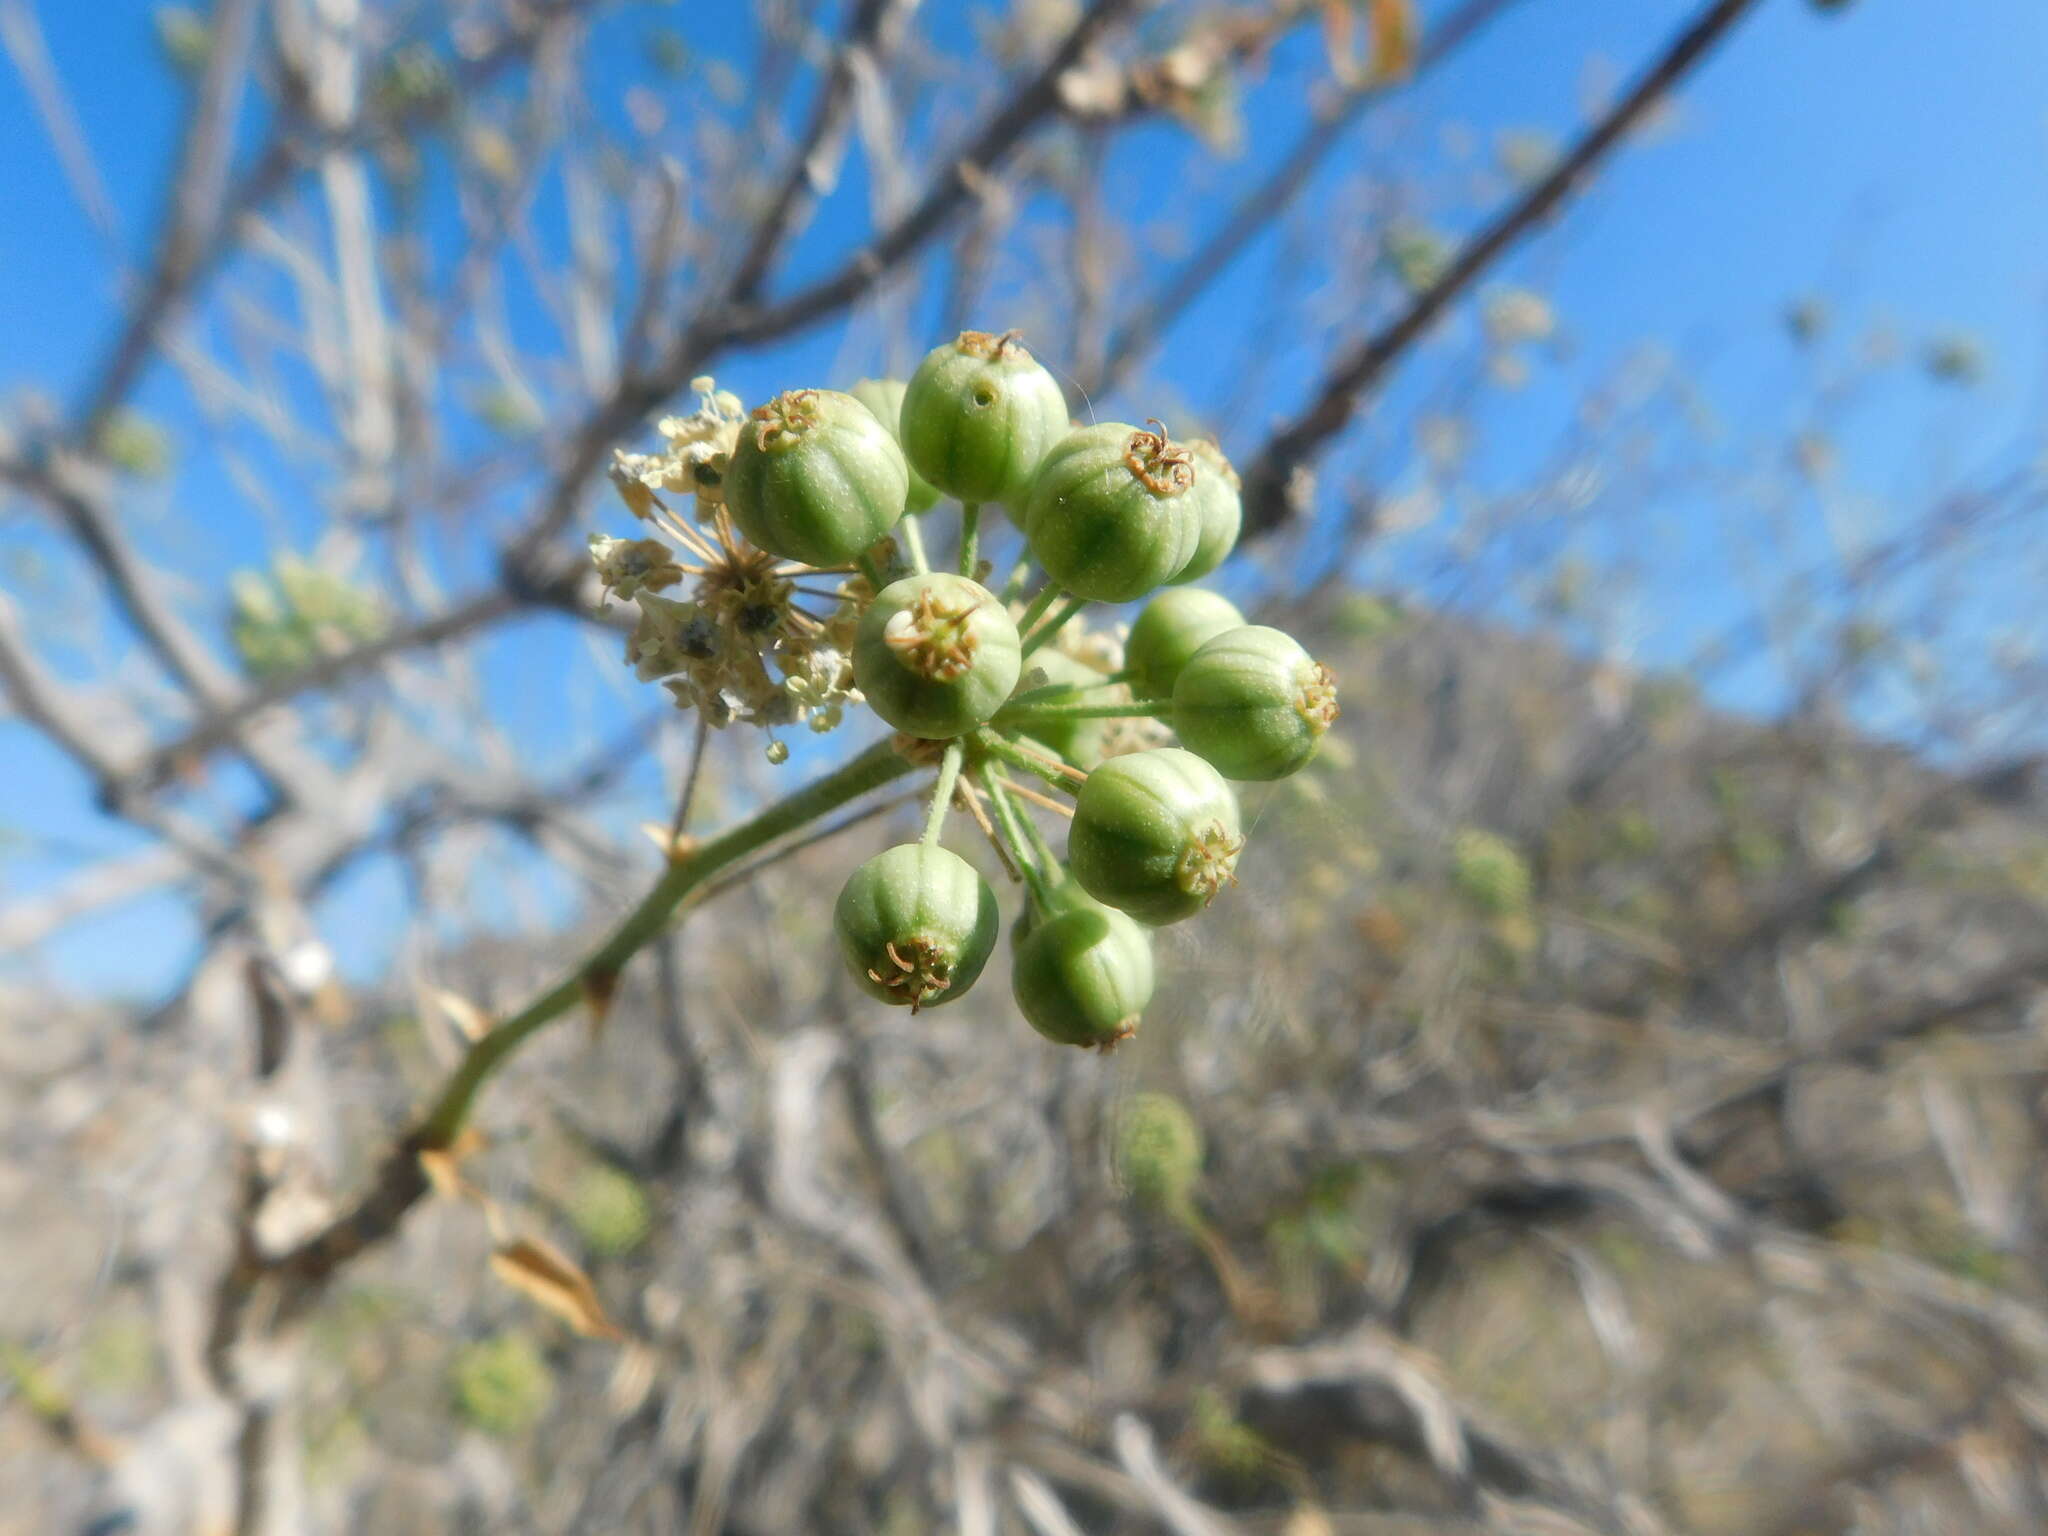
point(195, 210)
point(870, 29)
point(1269, 499)
point(1141, 330)
point(22, 36)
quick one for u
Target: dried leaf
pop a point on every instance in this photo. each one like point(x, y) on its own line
point(1396, 32)
point(632, 1379)
point(443, 1165)
point(599, 988)
point(1337, 40)
point(675, 849)
point(553, 1280)
point(465, 1015)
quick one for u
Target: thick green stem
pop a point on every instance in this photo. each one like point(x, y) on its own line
point(1118, 710)
point(595, 975)
point(1053, 625)
point(913, 543)
point(970, 531)
point(942, 796)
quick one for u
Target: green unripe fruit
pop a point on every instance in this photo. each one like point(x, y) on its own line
point(1220, 506)
point(979, 414)
point(1155, 834)
point(1083, 977)
point(1159, 1150)
point(936, 654)
point(815, 477)
point(884, 397)
point(1254, 703)
point(1111, 514)
point(1173, 626)
point(1078, 741)
point(916, 924)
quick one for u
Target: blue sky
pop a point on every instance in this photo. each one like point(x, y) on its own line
point(1893, 157)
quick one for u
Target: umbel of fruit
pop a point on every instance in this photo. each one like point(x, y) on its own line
point(815, 477)
point(1111, 515)
point(1254, 703)
point(884, 397)
point(1155, 834)
point(936, 654)
point(1079, 741)
point(979, 415)
point(1172, 627)
point(1083, 975)
point(1220, 506)
point(916, 924)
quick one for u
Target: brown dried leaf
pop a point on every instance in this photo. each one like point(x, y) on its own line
point(599, 988)
point(632, 1379)
point(465, 1015)
point(441, 1174)
point(551, 1278)
point(673, 848)
point(1337, 40)
point(1396, 32)
point(443, 1165)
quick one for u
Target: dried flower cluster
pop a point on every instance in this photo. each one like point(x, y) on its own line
point(754, 641)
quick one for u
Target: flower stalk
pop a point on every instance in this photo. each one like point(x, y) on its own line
point(1053, 625)
point(942, 794)
point(1026, 714)
point(1057, 774)
point(1021, 847)
point(970, 528)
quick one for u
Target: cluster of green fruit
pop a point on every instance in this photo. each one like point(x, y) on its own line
point(1110, 513)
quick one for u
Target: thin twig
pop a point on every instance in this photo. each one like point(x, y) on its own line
point(1269, 475)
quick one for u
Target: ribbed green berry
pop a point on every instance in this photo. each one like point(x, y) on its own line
point(884, 397)
point(1078, 741)
point(1221, 507)
point(916, 924)
point(1159, 1150)
point(978, 415)
point(815, 477)
point(1172, 627)
point(1111, 515)
point(1083, 977)
point(1155, 834)
point(936, 654)
point(1254, 703)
